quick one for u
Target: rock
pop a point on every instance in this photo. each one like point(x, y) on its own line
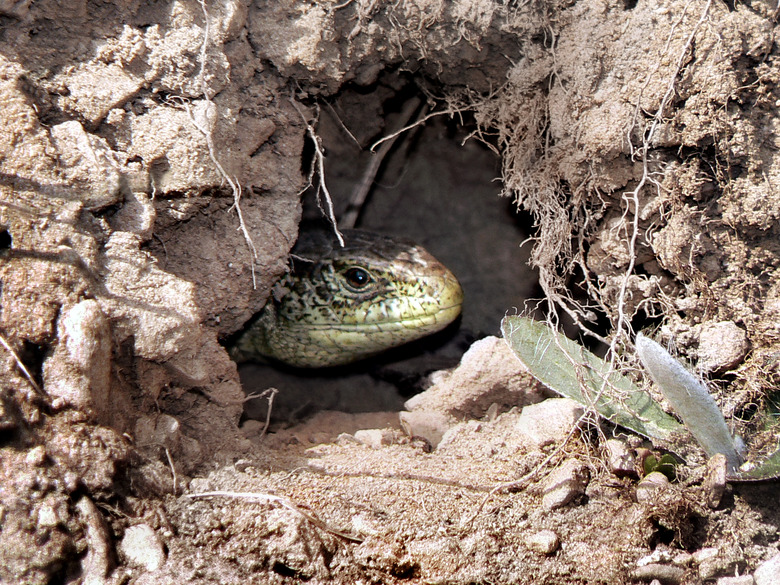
point(619, 458)
point(16, 8)
point(91, 166)
point(565, 484)
point(429, 425)
point(97, 562)
point(374, 438)
point(488, 373)
point(711, 568)
point(722, 346)
point(741, 580)
point(715, 481)
point(666, 574)
point(768, 572)
point(160, 327)
point(78, 373)
point(704, 554)
point(548, 422)
point(710, 563)
point(682, 559)
point(649, 486)
point(140, 546)
point(36, 456)
point(544, 542)
point(94, 88)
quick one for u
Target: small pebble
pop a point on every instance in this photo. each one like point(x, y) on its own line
point(655, 557)
point(36, 456)
point(544, 542)
point(346, 439)
point(565, 484)
point(666, 574)
point(768, 572)
point(141, 546)
point(703, 554)
point(620, 461)
point(427, 424)
point(71, 481)
point(722, 346)
point(648, 488)
point(47, 516)
point(711, 565)
point(374, 438)
point(715, 480)
point(547, 422)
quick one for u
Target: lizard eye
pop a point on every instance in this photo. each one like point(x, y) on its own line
point(357, 277)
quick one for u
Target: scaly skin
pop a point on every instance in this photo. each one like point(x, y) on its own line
point(339, 305)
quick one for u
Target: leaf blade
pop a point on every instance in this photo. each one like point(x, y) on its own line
point(550, 356)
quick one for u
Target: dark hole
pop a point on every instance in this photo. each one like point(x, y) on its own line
point(664, 535)
point(10, 419)
point(107, 212)
point(642, 321)
point(284, 570)
point(307, 156)
point(32, 356)
point(5, 240)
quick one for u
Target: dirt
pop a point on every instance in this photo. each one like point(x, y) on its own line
point(152, 161)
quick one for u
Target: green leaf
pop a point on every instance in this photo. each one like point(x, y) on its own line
point(691, 400)
point(572, 371)
point(769, 468)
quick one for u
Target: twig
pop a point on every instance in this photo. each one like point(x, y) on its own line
point(271, 393)
point(632, 197)
point(319, 169)
point(282, 501)
point(173, 468)
point(206, 131)
point(343, 126)
point(358, 198)
point(423, 120)
point(22, 367)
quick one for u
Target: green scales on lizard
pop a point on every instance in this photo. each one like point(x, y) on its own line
point(341, 304)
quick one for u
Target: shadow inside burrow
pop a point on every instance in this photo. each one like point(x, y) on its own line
point(435, 188)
